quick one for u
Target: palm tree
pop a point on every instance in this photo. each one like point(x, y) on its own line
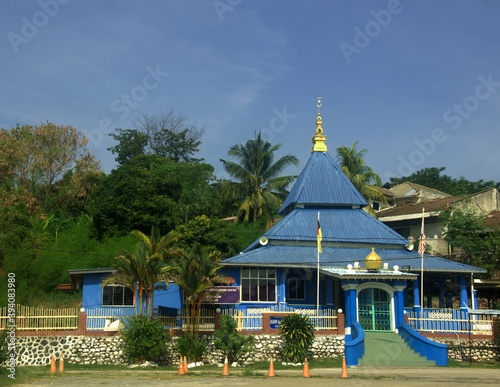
point(361, 175)
point(144, 267)
point(258, 190)
point(196, 273)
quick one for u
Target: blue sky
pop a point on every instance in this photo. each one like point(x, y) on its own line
point(417, 83)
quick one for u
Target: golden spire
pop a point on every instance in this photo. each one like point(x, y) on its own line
point(319, 139)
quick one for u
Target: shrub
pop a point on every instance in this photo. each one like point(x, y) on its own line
point(145, 339)
point(297, 332)
point(229, 341)
point(192, 347)
point(4, 353)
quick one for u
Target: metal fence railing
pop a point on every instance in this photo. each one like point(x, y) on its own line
point(450, 321)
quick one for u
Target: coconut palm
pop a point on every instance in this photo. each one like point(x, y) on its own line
point(258, 190)
point(143, 267)
point(361, 175)
point(196, 273)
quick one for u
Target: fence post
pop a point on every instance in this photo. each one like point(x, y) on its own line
point(217, 319)
point(341, 324)
point(82, 322)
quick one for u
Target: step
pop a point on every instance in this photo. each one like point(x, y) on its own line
point(389, 349)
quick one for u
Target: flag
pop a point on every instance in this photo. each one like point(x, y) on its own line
point(319, 235)
point(422, 243)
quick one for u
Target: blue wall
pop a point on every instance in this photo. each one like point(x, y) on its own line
point(92, 293)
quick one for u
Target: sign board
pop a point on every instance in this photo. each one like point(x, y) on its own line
point(275, 322)
point(223, 295)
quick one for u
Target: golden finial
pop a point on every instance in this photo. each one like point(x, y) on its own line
point(319, 139)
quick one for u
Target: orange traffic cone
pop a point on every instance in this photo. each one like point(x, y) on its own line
point(53, 365)
point(225, 369)
point(305, 372)
point(185, 364)
point(270, 372)
point(344, 375)
point(61, 365)
point(181, 367)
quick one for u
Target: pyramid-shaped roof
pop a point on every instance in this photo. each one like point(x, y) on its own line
point(322, 184)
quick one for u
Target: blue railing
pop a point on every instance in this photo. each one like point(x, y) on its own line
point(355, 346)
point(422, 345)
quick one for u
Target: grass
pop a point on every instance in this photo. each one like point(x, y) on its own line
point(483, 364)
point(27, 374)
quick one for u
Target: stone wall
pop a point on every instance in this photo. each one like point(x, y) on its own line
point(33, 350)
point(106, 350)
point(480, 350)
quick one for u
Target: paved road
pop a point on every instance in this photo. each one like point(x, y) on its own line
point(408, 377)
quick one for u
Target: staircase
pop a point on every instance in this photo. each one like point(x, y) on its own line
point(389, 349)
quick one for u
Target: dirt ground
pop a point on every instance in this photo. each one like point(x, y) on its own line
point(408, 377)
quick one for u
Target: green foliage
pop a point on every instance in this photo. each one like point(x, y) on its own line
point(4, 352)
point(464, 229)
point(297, 332)
point(151, 191)
point(195, 272)
point(432, 178)
point(257, 189)
point(39, 270)
point(229, 341)
point(145, 339)
point(220, 238)
point(193, 347)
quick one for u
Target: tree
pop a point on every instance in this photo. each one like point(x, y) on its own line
point(464, 230)
point(131, 143)
point(432, 178)
point(258, 190)
point(361, 175)
point(196, 273)
point(144, 267)
point(169, 134)
point(150, 191)
point(36, 159)
point(218, 237)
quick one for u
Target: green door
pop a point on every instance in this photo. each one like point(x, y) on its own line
point(374, 310)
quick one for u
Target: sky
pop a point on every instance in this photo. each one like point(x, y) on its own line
point(415, 83)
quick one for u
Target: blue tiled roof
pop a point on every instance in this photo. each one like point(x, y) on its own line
point(289, 256)
point(346, 225)
point(322, 183)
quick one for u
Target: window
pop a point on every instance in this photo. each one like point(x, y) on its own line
point(258, 284)
point(117, 295)
point(296, 289)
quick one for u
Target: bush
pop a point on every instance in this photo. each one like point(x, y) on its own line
point(297, 332)
point(145, 339)
point(229, 341)
point(192, 347)
point(4, 353)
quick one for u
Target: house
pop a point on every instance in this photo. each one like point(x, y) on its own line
point(406, 219)
point(327, 252)
point(409, 192)
point(103, 303)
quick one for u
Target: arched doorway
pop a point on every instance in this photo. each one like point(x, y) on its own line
point(375, 309)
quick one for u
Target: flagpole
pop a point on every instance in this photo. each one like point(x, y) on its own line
point(318, 236)
point(421, 249)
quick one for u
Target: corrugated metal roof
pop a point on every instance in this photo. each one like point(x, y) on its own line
point(322, 182)
point(306, 256)
point(345, 225)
